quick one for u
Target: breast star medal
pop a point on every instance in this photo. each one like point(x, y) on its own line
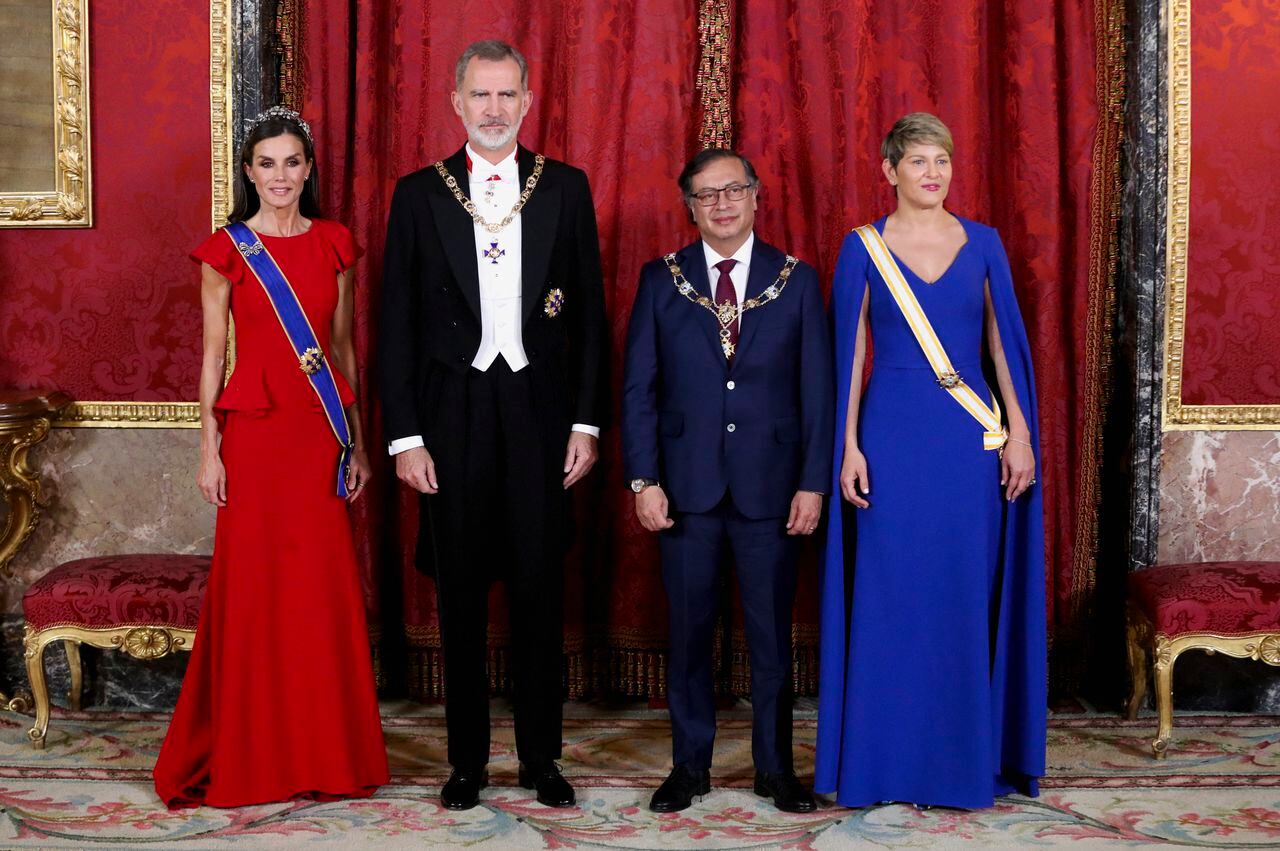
point(494, 252)
point(311, 360)
point(554, 303)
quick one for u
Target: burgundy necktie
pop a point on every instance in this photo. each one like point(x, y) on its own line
point(726, 293)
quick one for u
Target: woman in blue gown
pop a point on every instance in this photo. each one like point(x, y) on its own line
point(933, 634)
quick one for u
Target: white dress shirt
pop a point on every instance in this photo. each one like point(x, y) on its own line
point(501, 300)
point(495, 189)
point(738, 274)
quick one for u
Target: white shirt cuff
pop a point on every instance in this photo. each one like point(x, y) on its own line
point(594, 431)
point(399, 445)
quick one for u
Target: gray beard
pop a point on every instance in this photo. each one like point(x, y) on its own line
point(488, 142)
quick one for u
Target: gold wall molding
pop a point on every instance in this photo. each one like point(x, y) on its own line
point(221, 112)
point(69, 202)
point(1176, 415)
point(130, 415)
point(100, 414)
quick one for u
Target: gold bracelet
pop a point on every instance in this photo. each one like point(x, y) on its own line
point(1023, 442)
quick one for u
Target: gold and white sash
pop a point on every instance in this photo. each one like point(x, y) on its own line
point(994, 433)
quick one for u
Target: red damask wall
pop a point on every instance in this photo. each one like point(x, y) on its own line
point(1232, 346)
point(112, 312)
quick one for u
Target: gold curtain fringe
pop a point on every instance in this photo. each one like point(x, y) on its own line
point(631, 672)
point(426, 673)
point(285, 50)
point(715, 39)
point(1070, 641)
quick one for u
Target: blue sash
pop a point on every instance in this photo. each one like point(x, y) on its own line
point(293, 320)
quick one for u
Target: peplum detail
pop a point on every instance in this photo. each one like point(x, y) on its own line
point(250, 391)
point(245, 392)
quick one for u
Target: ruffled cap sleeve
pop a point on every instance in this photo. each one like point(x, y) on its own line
point(341, 244)
point(220, 252)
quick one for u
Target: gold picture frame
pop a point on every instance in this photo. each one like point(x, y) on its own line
point(65, 201)
point(91, 414)
point(1177, 416)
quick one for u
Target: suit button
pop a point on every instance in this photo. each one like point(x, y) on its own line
point(462, 358)
point(453, 323)
point(533, 353)
point(731, 428)
point(730, 385)
point(444, 290)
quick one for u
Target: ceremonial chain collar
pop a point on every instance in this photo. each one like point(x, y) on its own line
point(726, 313)
point(474, 212)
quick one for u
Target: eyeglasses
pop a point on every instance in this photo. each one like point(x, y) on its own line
point(734, 192)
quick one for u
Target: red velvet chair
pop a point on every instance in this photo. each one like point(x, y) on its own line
point(146, 605)
point(1230, 607)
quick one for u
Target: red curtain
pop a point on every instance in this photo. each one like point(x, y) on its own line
point(1030, 90)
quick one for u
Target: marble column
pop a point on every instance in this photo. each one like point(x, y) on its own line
point(1140, 286)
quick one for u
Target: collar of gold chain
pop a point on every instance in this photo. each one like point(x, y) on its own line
point(727, 313)
point(467, 204)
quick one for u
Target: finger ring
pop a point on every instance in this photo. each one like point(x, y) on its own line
point(1033, 481)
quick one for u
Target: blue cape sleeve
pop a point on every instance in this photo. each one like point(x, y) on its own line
point(1019, 668)
point(846, 302)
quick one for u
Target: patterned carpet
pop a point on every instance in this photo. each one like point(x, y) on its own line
point(90, 788)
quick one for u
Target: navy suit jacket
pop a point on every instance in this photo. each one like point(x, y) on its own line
point(759, 427)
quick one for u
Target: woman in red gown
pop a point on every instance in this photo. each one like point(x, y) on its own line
point(278, 700)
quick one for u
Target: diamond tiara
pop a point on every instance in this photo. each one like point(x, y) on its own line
point(285, 113)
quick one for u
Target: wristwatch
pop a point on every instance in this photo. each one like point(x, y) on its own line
point(637, 485)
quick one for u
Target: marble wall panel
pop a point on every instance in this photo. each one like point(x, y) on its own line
point(111, 491)
point(1220, 496)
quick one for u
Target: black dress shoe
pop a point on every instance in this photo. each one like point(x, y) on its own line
point(788, 794)
point(677, 791)
point(462, 791)
point(553, 789)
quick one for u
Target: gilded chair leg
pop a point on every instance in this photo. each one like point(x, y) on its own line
point(39, 689)
point(1137, 636)
point(77, 674)
point(1164, 695)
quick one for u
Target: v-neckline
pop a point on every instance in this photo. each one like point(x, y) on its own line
point(903, 264)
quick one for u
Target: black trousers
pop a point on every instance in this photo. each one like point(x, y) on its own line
point(500, 514)
point(765, 559)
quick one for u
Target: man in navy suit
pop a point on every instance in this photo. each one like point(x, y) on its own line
point(727, 423)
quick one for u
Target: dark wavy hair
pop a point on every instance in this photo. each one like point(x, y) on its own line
point(245, 201)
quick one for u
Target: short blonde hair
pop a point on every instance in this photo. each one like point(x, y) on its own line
point(916, 128)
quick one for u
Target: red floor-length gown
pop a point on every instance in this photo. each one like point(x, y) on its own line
point(278, 700)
